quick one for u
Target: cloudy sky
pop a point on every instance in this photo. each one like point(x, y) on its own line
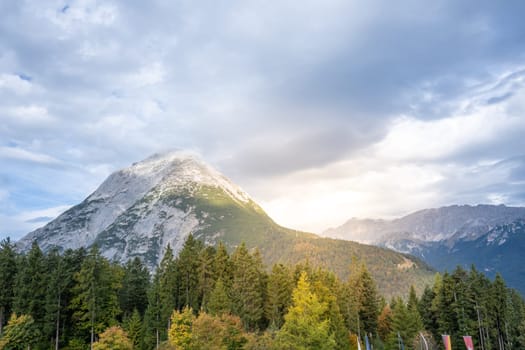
point(321, 110)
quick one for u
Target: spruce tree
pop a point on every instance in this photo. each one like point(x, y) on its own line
point(280, 288)
point(219, 303)
point(31, 287)
point(133, 328)
point(7, 280)
point(206, 275)
point(368, 303)
point(187, 266)
point(154, 325)
point(95, 303)
point(135, 283)
point(59, 275)
point(247, 288)
point(168, 288)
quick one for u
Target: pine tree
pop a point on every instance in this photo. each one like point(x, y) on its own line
point(31, 287)
point(219, 302)
point(305, 325)
point(206, 275)
point(349, 296)
point(59, 276)
point(7, 280)
point(133, 327)
point(187, 266)
point(95, 303)
point(247, 288)
point(368, 303)
point(154, 325)
point(222, 265)
point(428, 316)
point(168, 288)
point(498, 311)
point(135, 283)
point(280, 288)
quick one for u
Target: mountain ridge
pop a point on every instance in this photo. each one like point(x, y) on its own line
point(483, 235)
point(139, 210)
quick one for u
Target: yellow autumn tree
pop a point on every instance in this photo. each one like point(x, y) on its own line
point(113, 338)
point(180, 332)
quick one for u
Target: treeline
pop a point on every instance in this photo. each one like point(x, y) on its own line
point(206, 298)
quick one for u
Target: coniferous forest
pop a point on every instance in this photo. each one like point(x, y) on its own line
point(208, 298)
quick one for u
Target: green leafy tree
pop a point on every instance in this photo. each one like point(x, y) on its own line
point(306, 325)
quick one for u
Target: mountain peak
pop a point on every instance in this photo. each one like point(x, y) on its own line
point(153, 199)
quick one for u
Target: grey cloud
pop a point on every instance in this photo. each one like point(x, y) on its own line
point(260, 90)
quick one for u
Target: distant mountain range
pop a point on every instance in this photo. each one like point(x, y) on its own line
point(139, 210)
point(487, 236)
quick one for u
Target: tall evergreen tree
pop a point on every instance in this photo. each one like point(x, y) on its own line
point(133, 327)
point(7, 280)
point(95, 303)
point(206, 275)
point(280, 288)
point(154, 325)
point(135, 283)
point(168, 288)
point(368, 303)
point(31, 287)
point(59, 276)
point(247, 288)
point(187, 266)
point(219, 303)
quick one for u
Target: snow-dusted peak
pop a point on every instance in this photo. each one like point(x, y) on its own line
point(169, 169)
point(137, 201)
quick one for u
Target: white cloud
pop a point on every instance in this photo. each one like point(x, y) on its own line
point(29, 115)
point(151, 74)
point(29, 156)
point(16, 84)
point(413, 139)
point(26, 221)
